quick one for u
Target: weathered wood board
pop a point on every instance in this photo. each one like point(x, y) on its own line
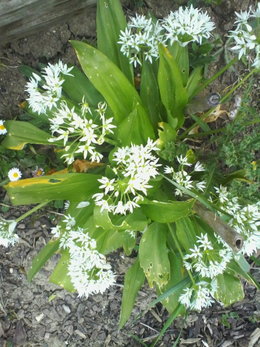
point(20, 18)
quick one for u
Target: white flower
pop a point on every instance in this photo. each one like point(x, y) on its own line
point(183, 160)
point(199, 167)
point(141, 39)
point(207, 260)
point(14, 174)
point(246, 37)
point(7, 235)
point(46, 96)
point(136, 166)
point(3, 129)
point(199, 296)
point(88, 269)
point(83, 204)
point(187, 25)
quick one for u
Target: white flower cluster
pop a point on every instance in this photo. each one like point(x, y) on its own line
point(136, 165)
point(3, 129)
point(245, 220)
point(7, 235)
point(140, 40)
point(142, 36)
point(246, 34)
point(88, 269)
point(199, 296)
point(207, 260)
point(45, 90)
point(67, 124)
point(183, 178)
point(186, 25)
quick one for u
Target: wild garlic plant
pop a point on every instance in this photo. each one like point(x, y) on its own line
point(132, 179)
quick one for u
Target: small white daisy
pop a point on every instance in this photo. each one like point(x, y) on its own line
point(14, 174)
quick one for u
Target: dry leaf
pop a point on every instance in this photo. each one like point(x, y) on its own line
point(85, 165)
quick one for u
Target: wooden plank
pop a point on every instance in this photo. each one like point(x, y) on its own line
point(20, 18)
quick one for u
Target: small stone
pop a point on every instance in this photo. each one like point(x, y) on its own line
point(79, 333)
point(11, 270)
point(40, 317)
point(66, 308)
point(21, 226)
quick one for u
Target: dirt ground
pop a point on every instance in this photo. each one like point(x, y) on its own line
point(42, 314)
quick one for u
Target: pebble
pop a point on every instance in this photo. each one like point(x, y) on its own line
point(39, 317)
point(66, 308)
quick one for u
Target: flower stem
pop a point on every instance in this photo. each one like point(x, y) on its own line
point(180, 251)
point(31, 211)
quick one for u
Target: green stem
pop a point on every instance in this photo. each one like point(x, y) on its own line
point(222, 100)
point(28, 213)
point(180, 251)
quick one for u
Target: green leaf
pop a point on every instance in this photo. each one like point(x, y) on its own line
point(167, 212)
point(179, 286)
point(110, 21)
point(186, 232)
point(153, 255)
point(173, 94)
point(110, 240)
point(166, 134)
point(45, 253)
point(240, 268)
point(60, 274)
point(134, 279)
point(135, 128)
point(20, 133)
point(229, 289)
point(78, 86)
point(70, 186)
point(202, 123)
point(193, 82)
point(150, 93)
point(181, 56)
point(178, 273)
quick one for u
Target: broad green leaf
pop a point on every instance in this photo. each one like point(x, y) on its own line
point(20, 133)
point(135, 128)
point(166, 212)
point(110, 21)
point(181, 56)
point(179, 286)
point(70, 186)
point(78, 86)
point(119, 93)
point(186, 232)
point(173, 94)
point(153, 255)
point(166, 134)
point(193, 82)
point(41, 258)
point(110, 240)
point(239, 268)
point(134, 279)
point(229, 289)
point(150, 93)
point(177, 274)
point(60, 274)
